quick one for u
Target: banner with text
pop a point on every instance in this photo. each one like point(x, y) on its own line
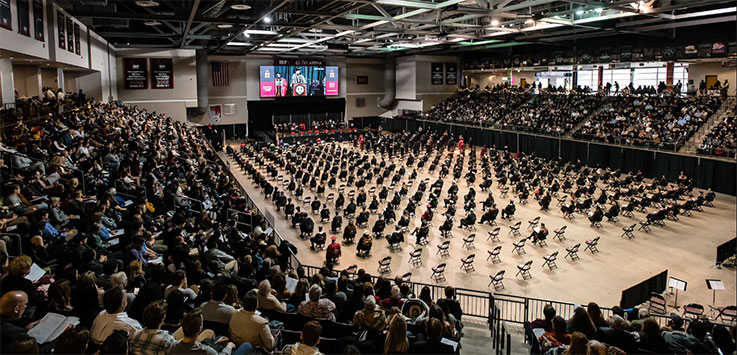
point(436, 73)
point(451, 74)
point(162, 73)
point(60, 29)
point(24, 17)
point(38, 19)
point(135, 73)
point(5, 17)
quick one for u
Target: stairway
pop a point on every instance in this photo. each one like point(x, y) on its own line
point(477, 338)
point(604, 102)
point(693, 142)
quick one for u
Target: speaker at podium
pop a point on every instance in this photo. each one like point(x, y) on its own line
point(299, 89)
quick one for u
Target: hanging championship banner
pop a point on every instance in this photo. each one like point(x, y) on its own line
point(24, 20)
point(135, 73)
point(77, 40)
point(70, 35)
point(5, 19)
point(216, 111)
point(451, 74)
point(38, 19)
point(162, 73)
point(436, 73)
point(60, 25)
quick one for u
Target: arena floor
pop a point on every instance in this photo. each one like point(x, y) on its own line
point(686, 248)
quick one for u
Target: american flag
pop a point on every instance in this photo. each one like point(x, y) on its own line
point(220, 74)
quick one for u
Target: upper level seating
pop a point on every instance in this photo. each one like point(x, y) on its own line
point(552, 113)
point(480, 107)
point(650, 121)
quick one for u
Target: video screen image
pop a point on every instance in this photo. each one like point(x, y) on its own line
point(294, 81)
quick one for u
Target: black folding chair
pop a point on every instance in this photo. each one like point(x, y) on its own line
point(524, 269)
point(628, 231)
point(494, 235)
point(533, 223)
point(443, 249)
point(519, 246)
point(573, 252)
point(591, 245)
point(385, 265)
point(645, 226)
point(494, 254)
point(467, 263)
point(514, 230)
point(438, 273)
point(550, 261)
point(560, 233)
point(415, 257)
point(468, 242)
point(496, 280)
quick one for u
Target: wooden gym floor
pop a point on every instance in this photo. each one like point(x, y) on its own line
point(686, 248)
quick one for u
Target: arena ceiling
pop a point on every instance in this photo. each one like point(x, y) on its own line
point(375, 27)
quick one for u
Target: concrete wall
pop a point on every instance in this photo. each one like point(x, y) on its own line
point(13, 41)
point(235, 93)
point(27, 80)
point(367, 94)
point(699, 71)
point(429, 94)
point(48, 78)
point(173, 102)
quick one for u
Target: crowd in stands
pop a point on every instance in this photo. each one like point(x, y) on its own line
point(635, 331)
point(478, 107)
point(551, 113)
point(651, 121)
point(293, 127)
point(720, 138)
point(124, 249)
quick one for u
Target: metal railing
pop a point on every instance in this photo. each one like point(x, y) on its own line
point(9, 158)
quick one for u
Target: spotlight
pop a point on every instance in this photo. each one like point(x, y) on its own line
point(225, 25)
point(267, 19)
point(495, 22)
point(147, 3)
point(598, 9)
point(579, 12)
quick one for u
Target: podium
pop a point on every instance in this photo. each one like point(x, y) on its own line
point(299, 89)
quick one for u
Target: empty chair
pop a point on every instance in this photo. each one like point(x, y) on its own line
point(524, 269)
point(533, 223)
point(591, 245)
point(514, 230)
point(438, 273)
point(494, 254)
point(550, 261)
point(372, 190)
point(693, 310)
point(496, 280)
point(562, 200)
point(657, 303)
point(573, 252)
point(306, 200)
point(645, 226)
point(415, 257)
point(560, 233)
point(407, 277)
point(443, 249)
point(351, 271)
point(467, 263)
point(494, 235)
point(519, 246)
point(727, 314)
point(468, 242)
point(628, 231)
point(330, 197)
point(351, 194)
point(503, 191)
point(385, 265)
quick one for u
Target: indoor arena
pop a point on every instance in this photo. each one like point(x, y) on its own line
point(231, 177)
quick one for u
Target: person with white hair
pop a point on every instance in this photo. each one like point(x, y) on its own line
point(267, 299)
point(393, 301)
point(371, 318)
point(636, 324)
point(616, 334)
point(594, 347)
point(316, 307)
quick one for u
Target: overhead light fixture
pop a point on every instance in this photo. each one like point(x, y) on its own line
point(152, 23)
point(260, 32)
point(225, 25)
point(247, 35)
point(147, 3)
point(530, 21)
point(579, 12)
point(267, 19)
point(240, 44)
point(598, 9)
point(495, 22)
point(240, 7)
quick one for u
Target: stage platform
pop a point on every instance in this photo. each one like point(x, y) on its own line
point(686, 248)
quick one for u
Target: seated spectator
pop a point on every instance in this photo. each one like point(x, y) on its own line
point(694, 340)
point(179, 282)
point(557, 336)
point(309, 337)
point(432, 343)
point(247, 327)
point(151, 339)
point(616, 334)
point(547, 322)
point(114, 317)
point(316, 307)
point(73, 340)
point(267, 300)
point(651, 338)
point(396, 341)
point(12, 306)
point(581, 322)
point(394, 300)
point(191, 328)
point(371, 318)
point(215, 310)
